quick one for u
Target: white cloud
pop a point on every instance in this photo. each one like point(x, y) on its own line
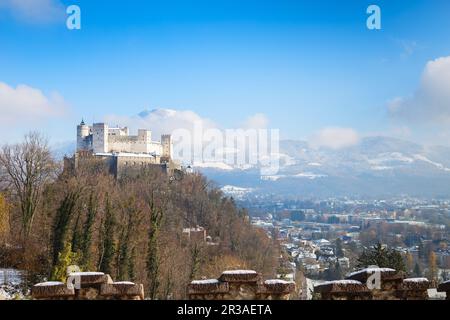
point(431, 101)
point(162, 121)
point(334, 138)
point(27, 104)
point(257, 121)
point(35, 11)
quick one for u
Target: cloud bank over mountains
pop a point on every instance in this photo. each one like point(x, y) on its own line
point(161, 121)
point(334, 138)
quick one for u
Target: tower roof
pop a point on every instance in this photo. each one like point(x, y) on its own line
point(82, 122)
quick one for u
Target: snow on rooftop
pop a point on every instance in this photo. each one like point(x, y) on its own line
point(343, 282)
point(125, 154)
point(371, 270)
point(49, 284)
point(207, 281)
point(124, 282)
point(80, 274)
point(239, 272)
point(416, 280)
point(278, 281)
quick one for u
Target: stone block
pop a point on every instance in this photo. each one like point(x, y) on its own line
point(122, 291)
point(343, 290)
point(90, 279)
point(240, 276)
point(210, 286)
point(51, 291)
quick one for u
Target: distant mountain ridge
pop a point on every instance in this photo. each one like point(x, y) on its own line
point(376, 167)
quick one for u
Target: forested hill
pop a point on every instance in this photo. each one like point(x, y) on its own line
point(131, 228)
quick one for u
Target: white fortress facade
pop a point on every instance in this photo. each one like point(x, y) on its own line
point(120, 151)
point(102, 140)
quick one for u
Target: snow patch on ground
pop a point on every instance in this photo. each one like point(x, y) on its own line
point(124, 282)
point(425, 159)
point(239, 272)
point(343, 282)
point(309, 175)
point(207, 281)
point(277, 281)
point(49, 284)
point(416, 280)
point(390, 157)
point(80, 274)
point(370, 270)
point(213, 165)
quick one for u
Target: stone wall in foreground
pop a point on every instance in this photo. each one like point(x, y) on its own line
point(245, 285)
point(377, 284)
point(88, 286)
point(240, 285)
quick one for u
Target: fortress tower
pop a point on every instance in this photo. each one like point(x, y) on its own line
point(100, 138)
point(167, 146)
point(83, 134)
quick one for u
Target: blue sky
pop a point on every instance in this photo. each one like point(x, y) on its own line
point(305, 65)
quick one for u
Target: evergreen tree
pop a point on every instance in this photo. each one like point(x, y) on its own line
point(132, 266)
point(339, 249)
point(195, 260)
point(86, 240)
point(156, 215)
point(421, 251)
point(76, 236)
point(382, 257)
point(417, 272)
point(62, 222)
point(107, 246)
point(66, 258)
point(125, 245)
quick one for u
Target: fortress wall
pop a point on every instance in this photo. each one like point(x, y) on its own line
point(133, 144)
point(88, 286)
point(359, 286)
point(240, 285)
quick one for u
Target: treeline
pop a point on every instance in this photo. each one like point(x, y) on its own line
point(130, 227)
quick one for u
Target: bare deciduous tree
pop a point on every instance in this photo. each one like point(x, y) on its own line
point(27, 167)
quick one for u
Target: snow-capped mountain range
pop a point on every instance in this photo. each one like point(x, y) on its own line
point(376, 167)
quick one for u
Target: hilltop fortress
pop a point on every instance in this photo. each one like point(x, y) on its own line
point(118, 150)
